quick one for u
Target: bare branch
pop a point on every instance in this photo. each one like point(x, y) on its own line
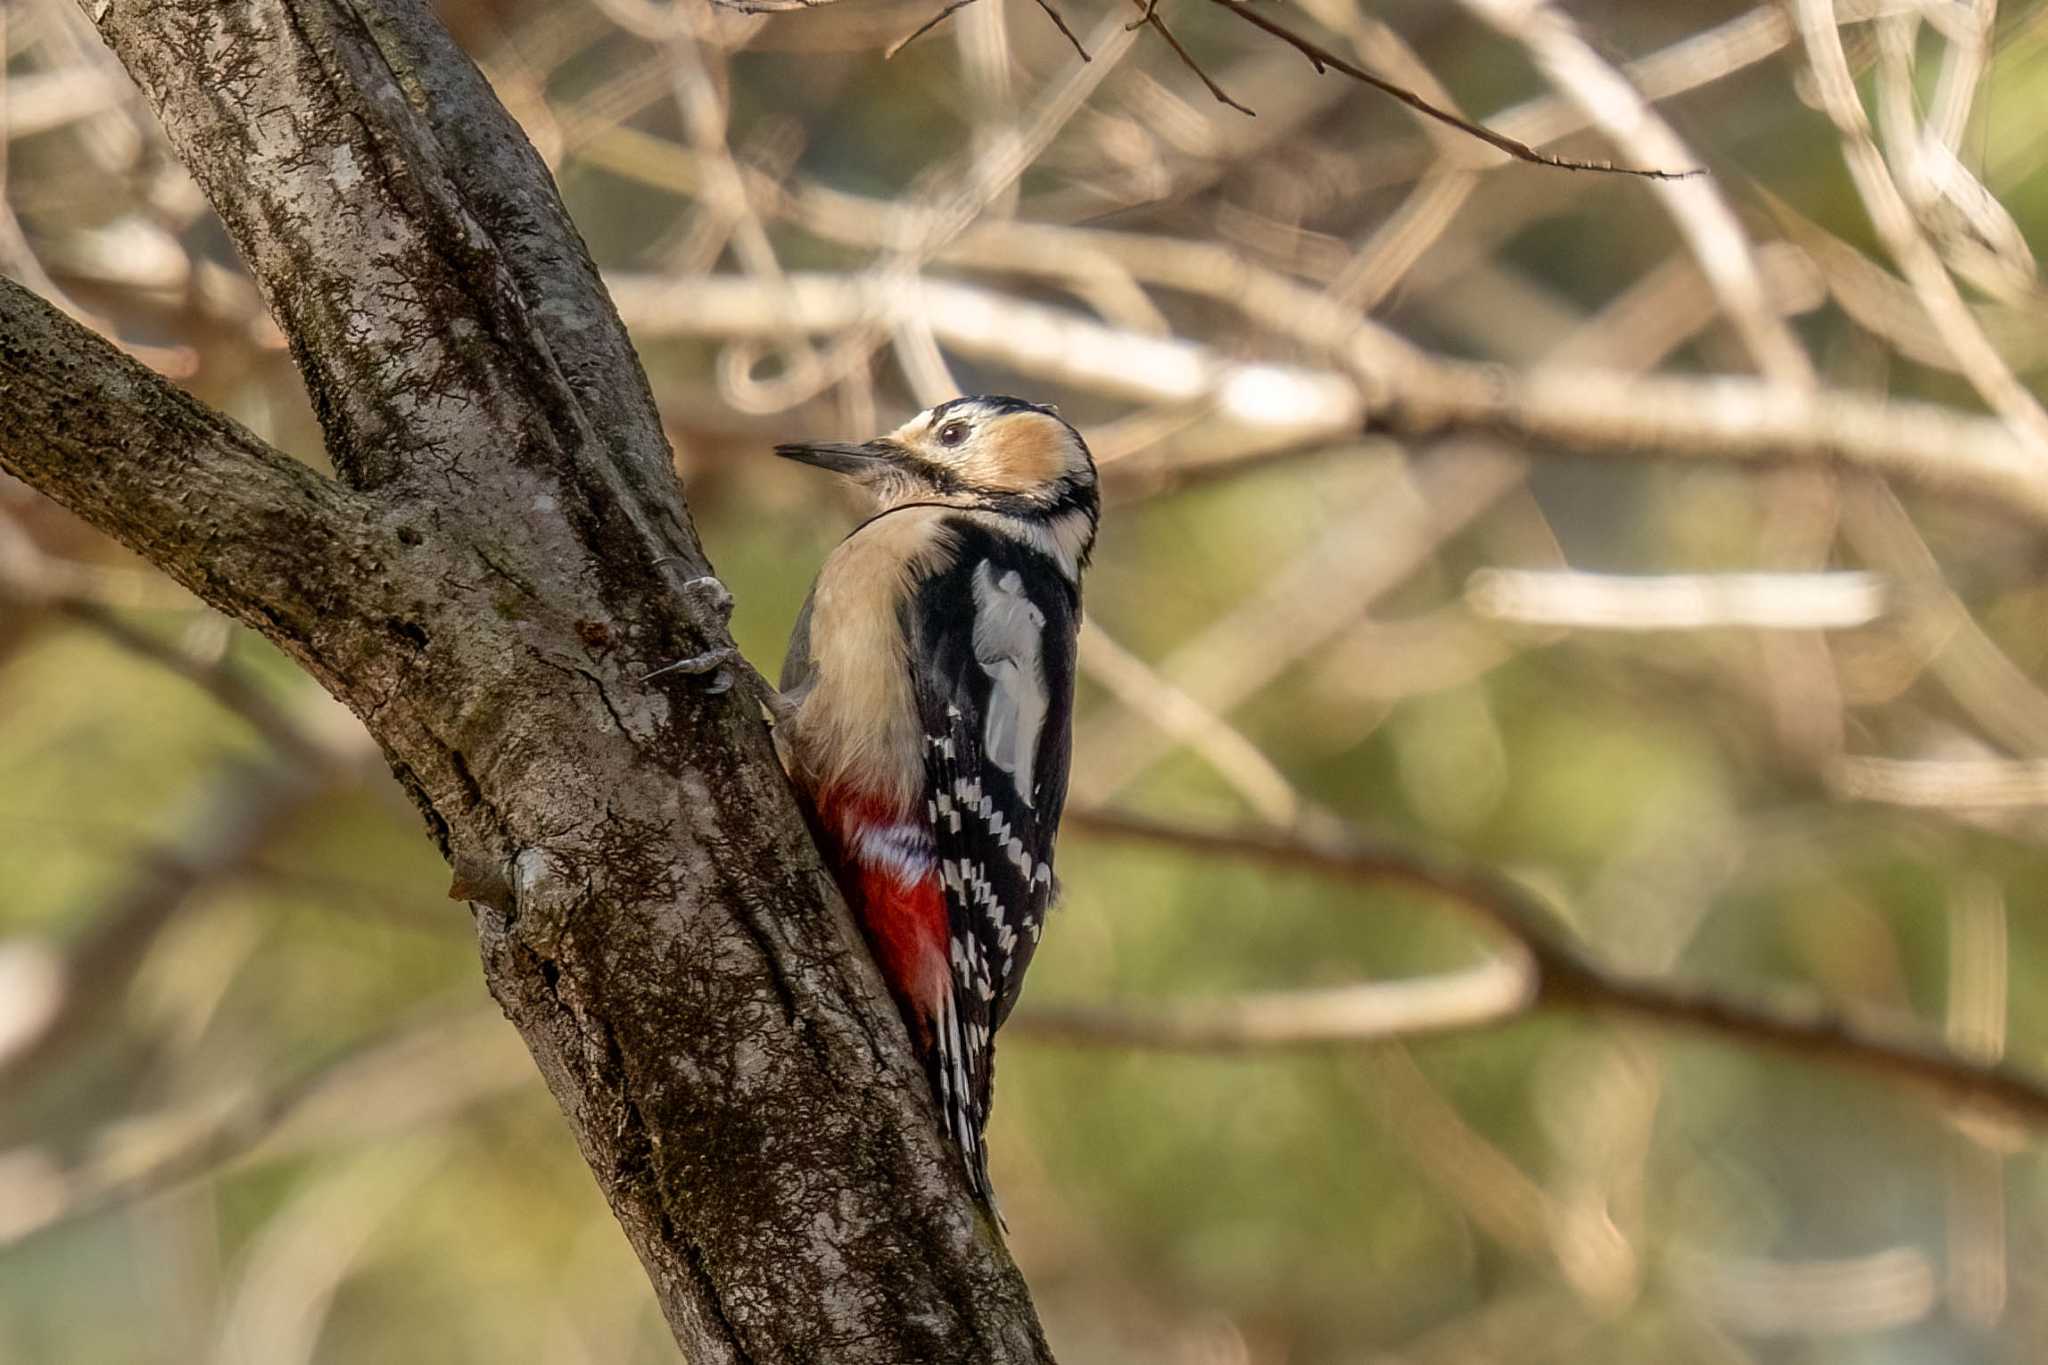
point(1942, 783)
point(1739, 420)
point(1491, 902)
point(257, 534)
point(1059, 21)
point(499, 573)
point(1051, 12)
point(1320, 57)
point(926, 27)
point(1568, 979)
point(1151, 17)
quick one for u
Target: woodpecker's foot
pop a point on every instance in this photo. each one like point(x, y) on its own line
point(726, 664)
point(713, 600)
point(711, 596)
point(713, 661)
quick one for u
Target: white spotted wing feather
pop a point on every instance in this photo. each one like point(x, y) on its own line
point(994, 663)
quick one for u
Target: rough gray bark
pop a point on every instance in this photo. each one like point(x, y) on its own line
point(498, 560)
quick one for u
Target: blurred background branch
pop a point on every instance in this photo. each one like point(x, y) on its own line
point(1540, 968)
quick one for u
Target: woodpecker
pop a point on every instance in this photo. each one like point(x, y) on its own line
point(928, 706)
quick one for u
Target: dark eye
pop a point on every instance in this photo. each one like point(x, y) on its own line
point(953, 433)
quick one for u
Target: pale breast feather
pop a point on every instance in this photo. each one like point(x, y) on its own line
point(848, 670)
point(993, 657)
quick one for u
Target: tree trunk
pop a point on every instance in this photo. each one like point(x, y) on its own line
point(500, 557)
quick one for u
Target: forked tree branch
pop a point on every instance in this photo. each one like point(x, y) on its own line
point(504, 554)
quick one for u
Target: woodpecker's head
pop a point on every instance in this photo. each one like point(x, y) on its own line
point(990, 454)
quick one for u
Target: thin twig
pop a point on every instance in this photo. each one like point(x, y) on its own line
point(1051, 11)
point(1321, 58)
point(1696, 207)
point(1151, 16)
point(1060, 22)
point(926, 27)
point(955, 195)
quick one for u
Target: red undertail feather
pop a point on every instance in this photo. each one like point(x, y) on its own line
point(900, 904)
point(888, 866)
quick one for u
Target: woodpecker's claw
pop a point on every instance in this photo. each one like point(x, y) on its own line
point(699, 664)
point(726, 664)
point(715, 599)
point(711, 595)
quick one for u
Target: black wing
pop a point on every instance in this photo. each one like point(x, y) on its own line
point(993, 639)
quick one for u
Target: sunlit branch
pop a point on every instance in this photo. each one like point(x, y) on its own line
point(1752, 601)
point(1496, 989)
point(1949, 783)
point(1396, 390)
point(1907, 244)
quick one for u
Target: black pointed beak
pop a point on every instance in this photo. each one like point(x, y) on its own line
point(842, 458)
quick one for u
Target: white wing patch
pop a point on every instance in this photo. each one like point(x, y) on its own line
point(1009, 642)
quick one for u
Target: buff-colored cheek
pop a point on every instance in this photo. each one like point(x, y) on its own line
point(1023, 451)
